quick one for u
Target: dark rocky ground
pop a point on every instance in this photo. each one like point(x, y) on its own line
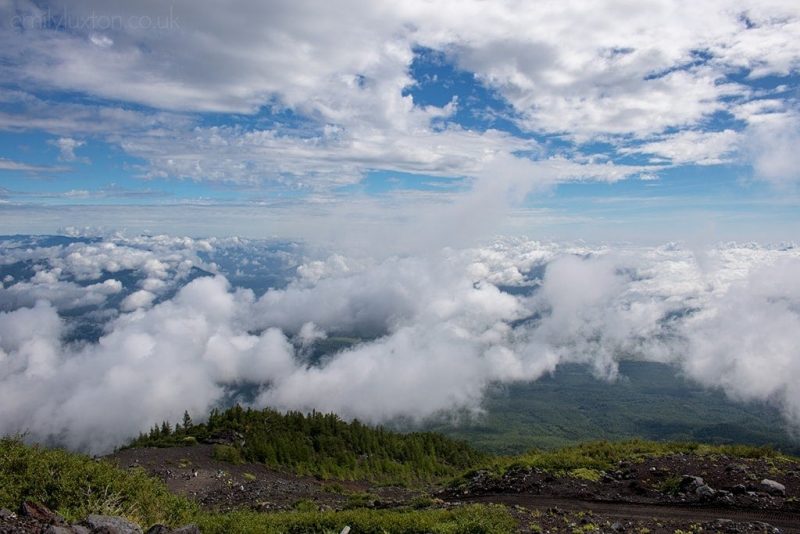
point(678, 493)
point(676, 479)
point(192, 472)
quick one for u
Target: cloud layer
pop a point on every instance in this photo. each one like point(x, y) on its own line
point(438, 329)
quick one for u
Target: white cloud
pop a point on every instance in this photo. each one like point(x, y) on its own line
point(585, 71)
point(727, 316)
point(67, 146)
point(773, 140)
point(691, 146)
point(136, 300)
point(10, 165)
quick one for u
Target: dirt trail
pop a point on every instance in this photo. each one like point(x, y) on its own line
point(788, 522)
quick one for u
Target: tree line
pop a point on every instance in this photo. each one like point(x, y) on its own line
point(320, 444)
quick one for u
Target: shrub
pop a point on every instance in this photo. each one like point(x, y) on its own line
point(584, 473)
point(76, 485)
point(227, 453)
point(471, 519)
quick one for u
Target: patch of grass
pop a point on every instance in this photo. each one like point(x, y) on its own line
point(422, 501)
point(76, 485)
point(333, 487)
point(250, 477)
point(605, 455)
point(360, 500)
point(472, 519)
point(305, 505)
point(583, 473)
point(670, 485)
point(227, 453)
point(589, 460)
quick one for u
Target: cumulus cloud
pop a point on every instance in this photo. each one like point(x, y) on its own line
point(574, 70)
point(437, 329)
point(773, 140)
point(67, 146)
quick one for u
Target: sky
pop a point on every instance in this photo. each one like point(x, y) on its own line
point(479, 191)
point(381, 122)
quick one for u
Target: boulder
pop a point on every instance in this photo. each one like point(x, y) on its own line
point(108, 524)
point(773, 488)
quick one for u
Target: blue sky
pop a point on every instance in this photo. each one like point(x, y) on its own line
point(564, 122)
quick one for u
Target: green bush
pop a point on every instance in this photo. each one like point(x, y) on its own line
point(583, 473)
point(227, 453)
point(76, 485)
point(472, 519)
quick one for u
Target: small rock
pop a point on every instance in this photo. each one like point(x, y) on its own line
point(726, 500)
point(705, 491)
point(158, 529)
point(5, 513)
point(617, 527)
point(691, 483)
point(108, 524)
point(188, 529)
point(41, 513)
point(80, 529)
point(773, 488)
point(58, 529)
point(739, 489)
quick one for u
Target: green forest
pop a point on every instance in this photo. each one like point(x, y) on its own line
point(319, 444)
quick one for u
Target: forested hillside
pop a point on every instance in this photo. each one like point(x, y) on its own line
point(319, 444)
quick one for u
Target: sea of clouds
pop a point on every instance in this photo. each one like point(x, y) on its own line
point(180, 323)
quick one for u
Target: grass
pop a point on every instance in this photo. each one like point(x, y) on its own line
point(472, 519)
point(583, 473)
point(226, 453)
point(75, 485)
point(605, 455)
point(589, 460)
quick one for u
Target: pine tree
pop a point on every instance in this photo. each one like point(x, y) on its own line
point(187, 420)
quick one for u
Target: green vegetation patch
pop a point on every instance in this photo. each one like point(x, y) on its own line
point(227, 453)
point(472, 519)
point(653, 402)
point(584, 473)
point(605, 455)
point(76, 485)
point(322, 445)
